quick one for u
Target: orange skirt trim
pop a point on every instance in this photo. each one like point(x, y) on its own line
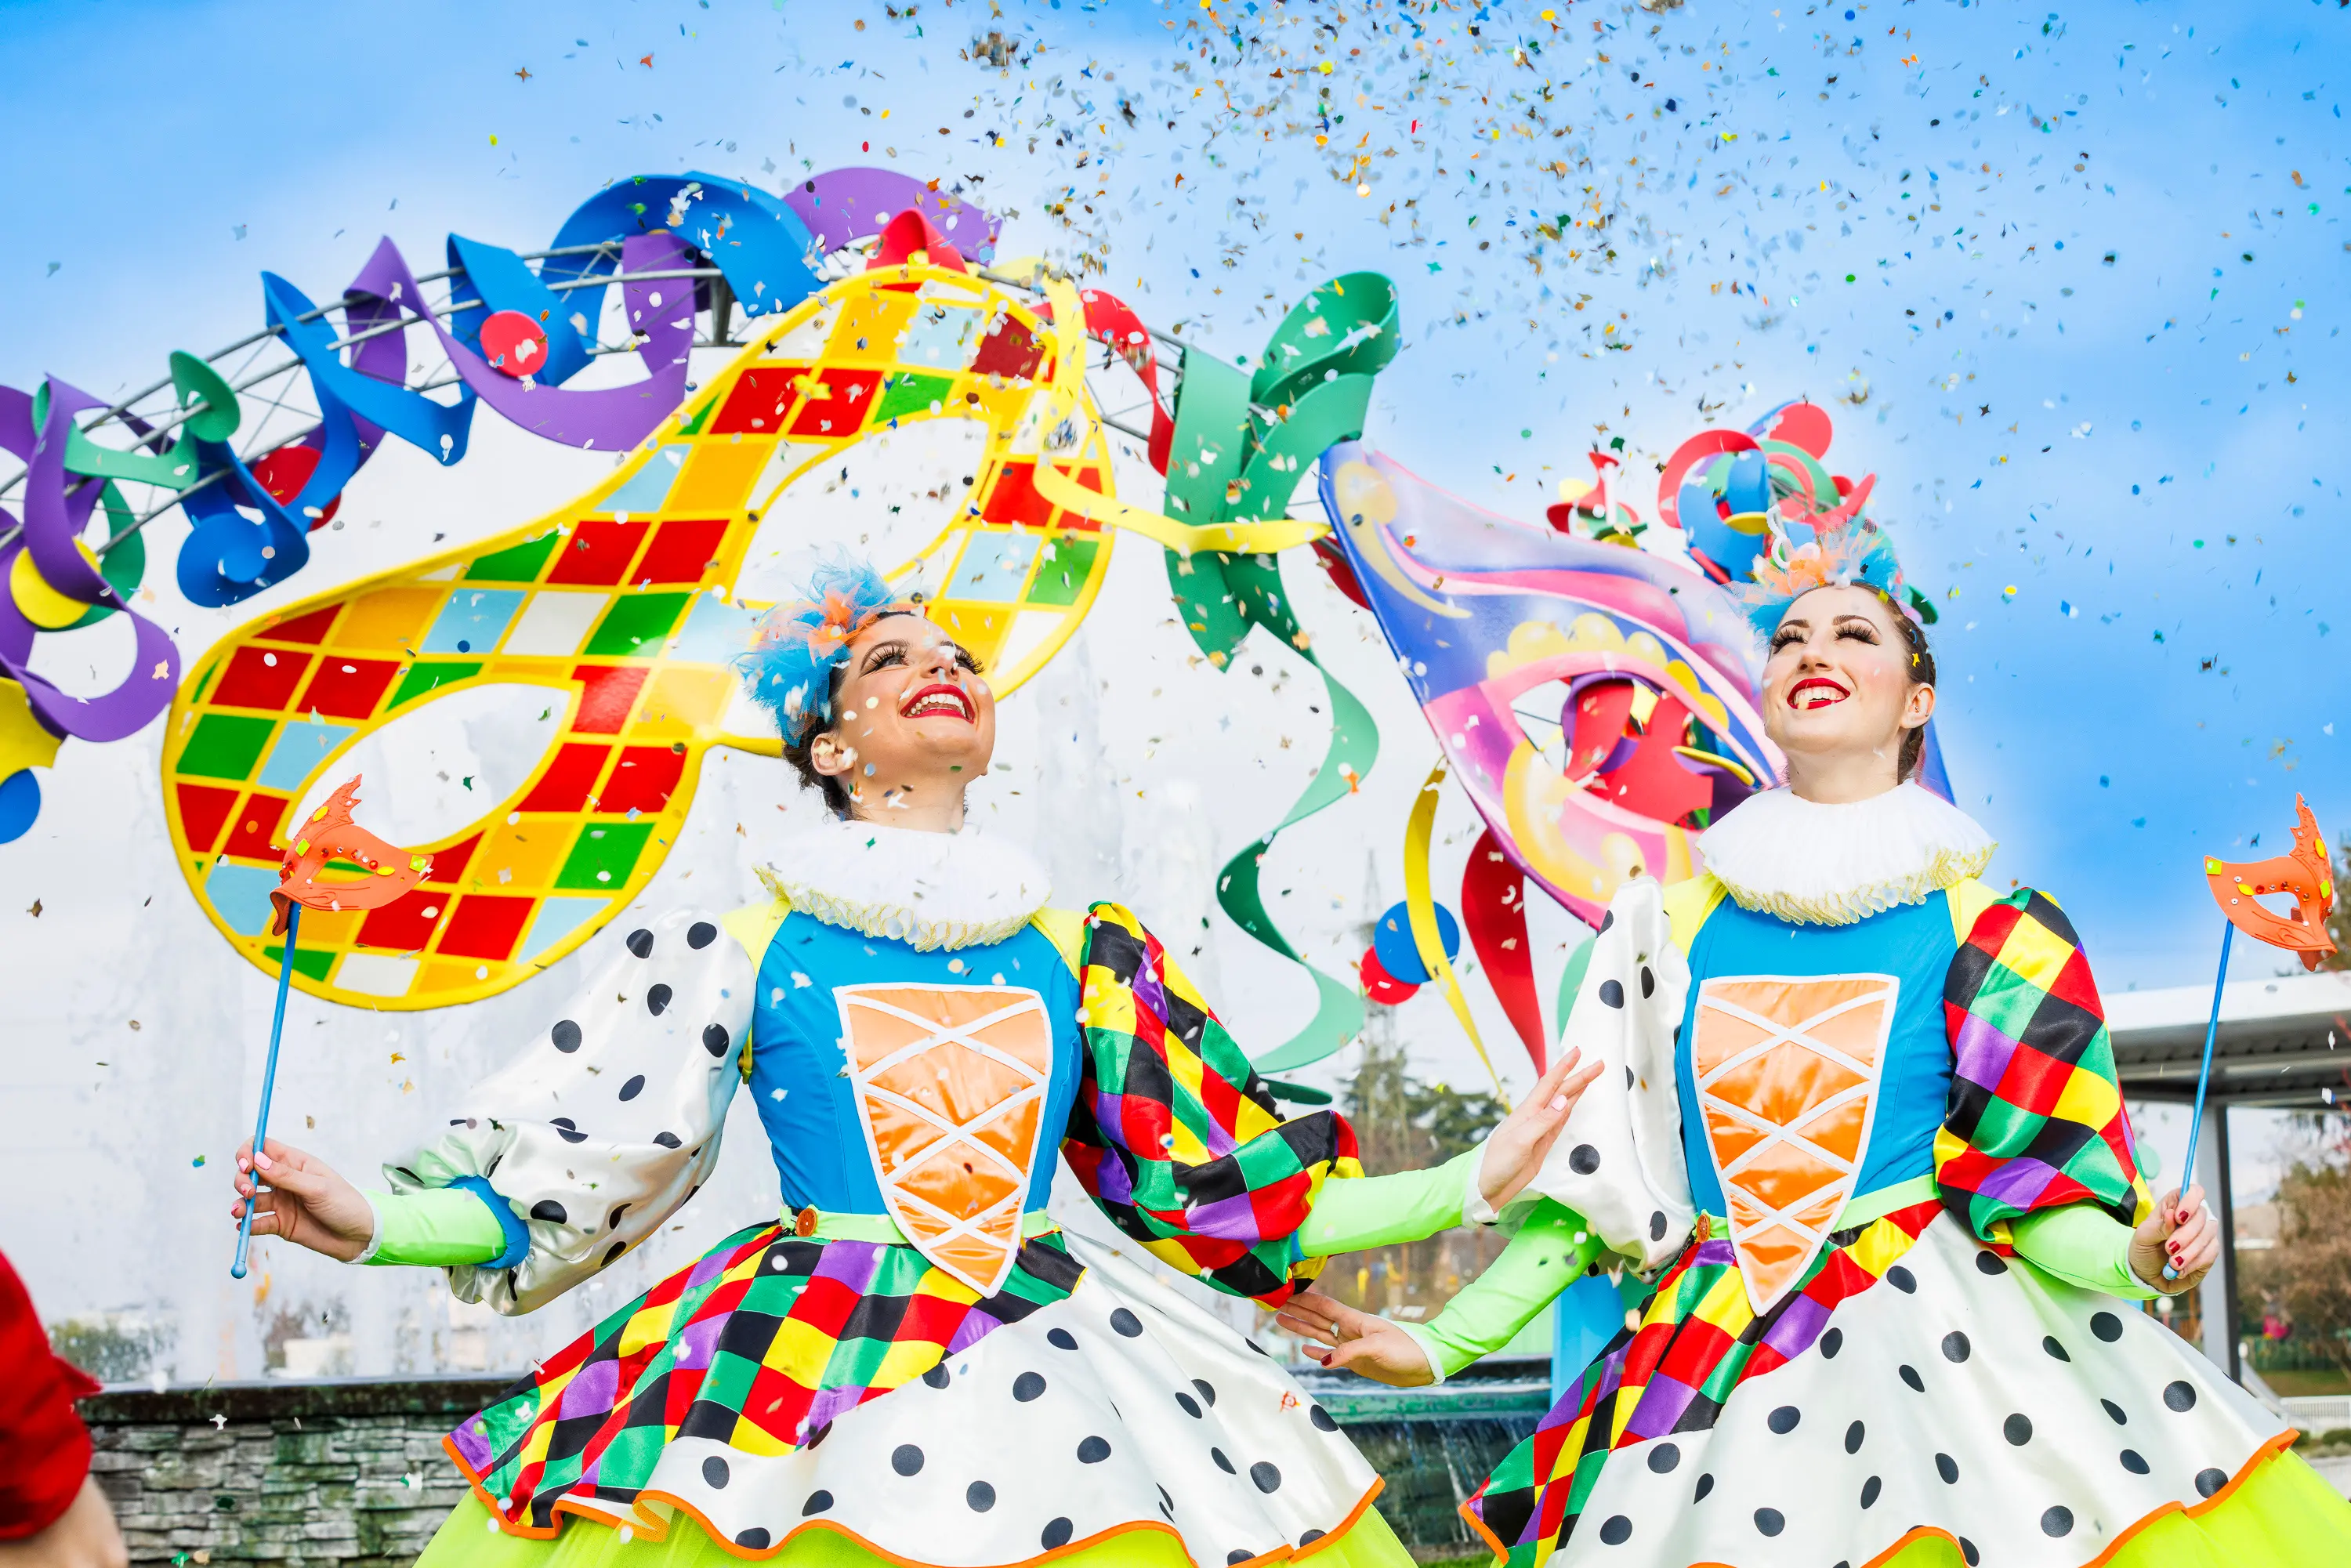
point(2275, 1449)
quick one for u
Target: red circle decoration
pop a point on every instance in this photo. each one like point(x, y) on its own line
point(1804, 424)
point(514, 343)
point(284, 471)
point(1381, 987)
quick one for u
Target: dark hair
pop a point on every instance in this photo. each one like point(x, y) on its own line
point(836, 798)
point(1922, 674)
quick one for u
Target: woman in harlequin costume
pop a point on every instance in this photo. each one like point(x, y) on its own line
point(1866, 1138)
point(915, 1366)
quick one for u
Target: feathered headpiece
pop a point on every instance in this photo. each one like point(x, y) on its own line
point(789, 669)
point(1860, 553)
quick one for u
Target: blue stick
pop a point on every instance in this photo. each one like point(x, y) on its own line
point(269, 1079)
point(2203, 1078)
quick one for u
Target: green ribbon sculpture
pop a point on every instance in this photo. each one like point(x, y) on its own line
point(1241, 442)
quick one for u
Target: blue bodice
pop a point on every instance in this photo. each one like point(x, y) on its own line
point(809, 978)
point(1912, 947)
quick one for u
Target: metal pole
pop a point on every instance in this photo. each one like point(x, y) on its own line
point(2216, 1298)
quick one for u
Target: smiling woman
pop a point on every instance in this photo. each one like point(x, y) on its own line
point(1891, 1099)
point(1848, 673)
point(915, 1365)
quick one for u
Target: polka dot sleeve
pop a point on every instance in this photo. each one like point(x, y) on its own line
point(1619, 1162)
point(609, 1119)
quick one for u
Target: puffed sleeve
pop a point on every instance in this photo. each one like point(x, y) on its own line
point(2035, 1119)
point(1177, 1140)
point(608, 1119)
point(1618, 1163)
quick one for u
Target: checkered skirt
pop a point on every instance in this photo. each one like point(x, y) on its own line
point(783, 1385)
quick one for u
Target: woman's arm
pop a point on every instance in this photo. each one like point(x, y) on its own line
point(1354, 1213)
point(1172, 1124)
point(567, 1157)
point(1550, 1252)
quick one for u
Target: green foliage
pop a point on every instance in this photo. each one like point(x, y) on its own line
point(1402, 1124)
point(2307, 1275)
point(113, 1347)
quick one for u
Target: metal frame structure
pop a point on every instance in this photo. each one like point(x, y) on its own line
point(150, 413)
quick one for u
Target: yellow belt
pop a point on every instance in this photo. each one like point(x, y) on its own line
point(819, 1226)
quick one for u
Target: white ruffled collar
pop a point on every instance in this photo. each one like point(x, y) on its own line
point(930, 890)
point(1802, 861)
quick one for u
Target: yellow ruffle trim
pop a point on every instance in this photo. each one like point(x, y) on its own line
point(1946, 870)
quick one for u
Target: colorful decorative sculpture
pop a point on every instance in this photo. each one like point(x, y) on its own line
point(1597, 702)
point(1594, 685)
point(1240, 443)
point(622, 605)
point(722, 243)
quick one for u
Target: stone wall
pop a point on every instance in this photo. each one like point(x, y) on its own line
point(352, 1474)
point(349, 1473)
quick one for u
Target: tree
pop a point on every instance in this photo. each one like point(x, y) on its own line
point(2308, 1273)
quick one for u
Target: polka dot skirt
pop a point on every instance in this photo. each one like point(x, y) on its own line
point(1124, 1406)
point(2032, 1421)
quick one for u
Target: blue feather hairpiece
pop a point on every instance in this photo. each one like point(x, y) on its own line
point(1860, 553)
point(789, 666)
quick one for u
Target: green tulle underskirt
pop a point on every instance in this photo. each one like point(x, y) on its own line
point(2279, 1514)
point(466, 1540)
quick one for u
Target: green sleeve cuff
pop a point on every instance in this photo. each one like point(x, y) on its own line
point(1354, 1212)
point(440, 1227)
point(1540, 1262)
point(2083, 1245)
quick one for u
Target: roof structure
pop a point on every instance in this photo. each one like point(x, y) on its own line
point(2285, 1041)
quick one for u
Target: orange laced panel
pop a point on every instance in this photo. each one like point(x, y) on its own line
point(1787, 1072)
point(950, 1083)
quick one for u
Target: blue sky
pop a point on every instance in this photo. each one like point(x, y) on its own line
point(2084, 268)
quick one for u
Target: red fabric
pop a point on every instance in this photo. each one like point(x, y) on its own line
point(44, 1447)
point(1493, 905)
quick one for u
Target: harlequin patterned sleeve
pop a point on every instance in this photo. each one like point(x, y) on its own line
point(608, 1121)
point(2035, 1119)
point(1174, 1137)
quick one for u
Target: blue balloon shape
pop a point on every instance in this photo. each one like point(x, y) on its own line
point(20, 802)
point(1392, 940)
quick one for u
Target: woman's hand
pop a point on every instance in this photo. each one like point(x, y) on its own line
point(2180, 1233)
point(304, 1201)
point(1359, 1342)
point(1515, 1152)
